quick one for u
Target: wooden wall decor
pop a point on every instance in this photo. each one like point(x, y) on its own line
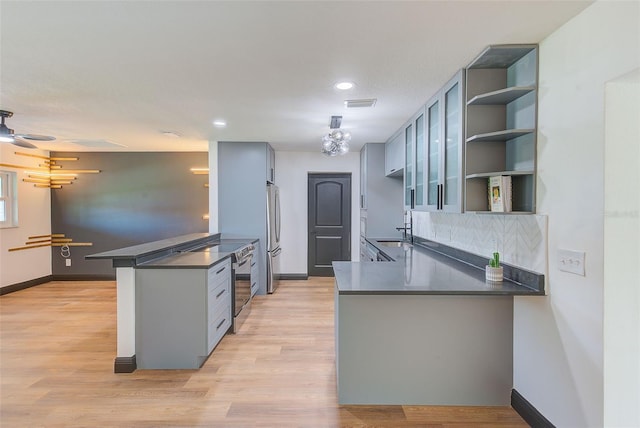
point(201, 171)
point(53, 240)
point(49, 174)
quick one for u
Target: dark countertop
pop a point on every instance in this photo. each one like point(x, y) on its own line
point(174, 253)
point(198, 259)
point(416, 269)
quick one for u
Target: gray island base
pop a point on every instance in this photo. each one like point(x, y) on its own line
point(173, 300)
point(424, 349)
point(425, 328)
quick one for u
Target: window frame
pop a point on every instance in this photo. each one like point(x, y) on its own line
point(9, 195)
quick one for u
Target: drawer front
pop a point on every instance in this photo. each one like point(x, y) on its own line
point(219, 271)
point(218, 326)
point(254, 277)
point(219, 295)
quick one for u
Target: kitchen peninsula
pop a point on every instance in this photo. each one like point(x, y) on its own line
point(175, 299)
point(425, 328)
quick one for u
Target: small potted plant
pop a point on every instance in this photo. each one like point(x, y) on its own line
point(493, 269)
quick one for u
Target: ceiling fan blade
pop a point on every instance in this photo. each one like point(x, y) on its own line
point(25, 144)
point(36, 137)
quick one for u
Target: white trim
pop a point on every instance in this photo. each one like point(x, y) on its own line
point(9, 197)
point(126, 307)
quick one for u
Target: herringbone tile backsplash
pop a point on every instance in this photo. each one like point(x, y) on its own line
point(520, 239)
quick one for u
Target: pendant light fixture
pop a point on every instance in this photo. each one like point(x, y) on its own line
point(336, 142)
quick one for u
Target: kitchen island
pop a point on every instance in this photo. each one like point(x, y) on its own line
point(173, 300)
point(425, 328)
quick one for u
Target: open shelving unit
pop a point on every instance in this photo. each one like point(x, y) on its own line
point(501, 125)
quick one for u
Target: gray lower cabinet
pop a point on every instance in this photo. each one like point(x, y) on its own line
point(254, 277)
point(181, 315)
point(453, 350)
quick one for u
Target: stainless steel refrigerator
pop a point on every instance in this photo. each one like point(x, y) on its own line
point(273, 237)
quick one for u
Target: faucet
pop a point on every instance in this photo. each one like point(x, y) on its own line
point(407, 227)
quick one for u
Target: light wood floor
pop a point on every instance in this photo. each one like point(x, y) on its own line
point(58, 343)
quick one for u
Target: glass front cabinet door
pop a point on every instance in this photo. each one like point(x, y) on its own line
point(444, 147)
point(415, 168)
point(408, 166)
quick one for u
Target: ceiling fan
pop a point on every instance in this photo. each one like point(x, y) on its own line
point(7, 134)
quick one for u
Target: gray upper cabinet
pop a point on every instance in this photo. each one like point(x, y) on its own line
point(363, 178)
point(409, 156)
point(414, 150)
point(271, 165)
point(434, 151)
point(394, 155)
point(380, 196)
point(501, 125)
point(242, 195)
point(444, 147)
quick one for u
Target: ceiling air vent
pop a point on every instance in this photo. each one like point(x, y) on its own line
point(360, 103)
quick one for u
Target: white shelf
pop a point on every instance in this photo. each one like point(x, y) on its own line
point(491, 174)
point(501, 132)
point(505, 135)
point(501, 56)
point(501, 97)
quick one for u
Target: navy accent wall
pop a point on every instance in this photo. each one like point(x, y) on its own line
point(136, 198)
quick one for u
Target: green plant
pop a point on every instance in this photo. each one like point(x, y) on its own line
point(494, 262)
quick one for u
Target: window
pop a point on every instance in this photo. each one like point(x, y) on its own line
point(8, 199)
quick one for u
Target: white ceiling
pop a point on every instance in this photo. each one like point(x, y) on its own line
point(125, 71)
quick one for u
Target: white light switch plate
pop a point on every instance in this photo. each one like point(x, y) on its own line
point(67, 262)
point(571, 261)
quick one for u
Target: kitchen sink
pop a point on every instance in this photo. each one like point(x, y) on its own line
point(395, 244)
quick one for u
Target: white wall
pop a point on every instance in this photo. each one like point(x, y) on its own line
point(292, 169)
point(558, 339)
point(34, 218)
point(622, 253)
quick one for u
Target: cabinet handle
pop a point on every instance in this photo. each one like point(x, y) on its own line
point(393, 169)
point(220, 325)
point(220, 293)
point(440, 196)
point(413, 198)
point(221, 270)
point(253, 264)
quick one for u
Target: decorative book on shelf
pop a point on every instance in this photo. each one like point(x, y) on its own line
point(500, 193)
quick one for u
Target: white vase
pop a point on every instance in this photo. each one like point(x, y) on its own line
point(493, 274)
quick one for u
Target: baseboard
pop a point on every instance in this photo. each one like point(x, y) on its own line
point(26, 284)
point(83, 277)
point(125, 364)
point(43, 280)
point(293, 276)
point(530, 414)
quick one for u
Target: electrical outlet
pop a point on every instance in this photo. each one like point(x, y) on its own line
point(68, 262)
point(571, 261)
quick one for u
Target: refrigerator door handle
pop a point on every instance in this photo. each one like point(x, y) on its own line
point(277, 215)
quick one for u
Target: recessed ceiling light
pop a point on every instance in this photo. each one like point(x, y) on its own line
point(343, 86)
point(220, 123)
